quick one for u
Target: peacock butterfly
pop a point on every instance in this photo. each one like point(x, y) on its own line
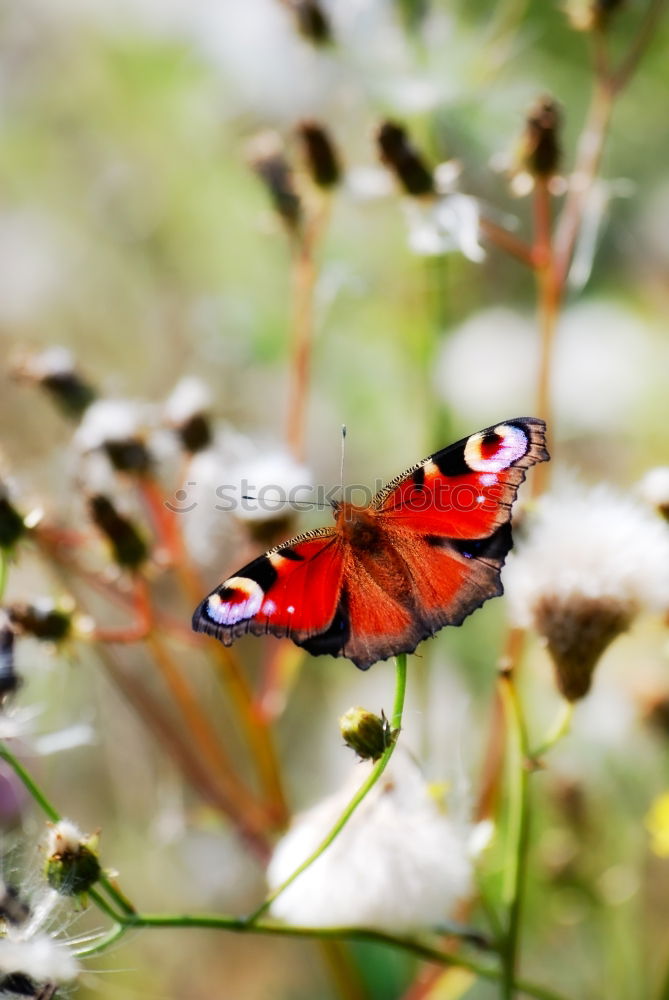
point(426, 552)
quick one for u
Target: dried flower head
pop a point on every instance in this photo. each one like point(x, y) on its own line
point(320, 154)
point(55, 371)
point(72, 864)
point(127, 544)
point(590, 562)
point(187, 412)
point(119, 428)
point(401, 156)
point(43, 619)
point(311, 20)
point(399, 863)
point(267, 158)
point(540, 148)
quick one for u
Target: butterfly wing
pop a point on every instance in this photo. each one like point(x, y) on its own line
point(292, 590)
point(445, 526)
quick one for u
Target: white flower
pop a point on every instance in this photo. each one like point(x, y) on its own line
point(591, 561)
point(189, 398)
point(446, 224)
point(113, 420)
point(488, 366)
point(275, 481)
point(654, 488)
point(398, 865)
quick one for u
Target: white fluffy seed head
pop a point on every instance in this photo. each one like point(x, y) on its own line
point(39, 957)
point(189, 398)
point(113, 420)
point(398, 865)
point(64, 837)
point(654, 489)
point(591, 560)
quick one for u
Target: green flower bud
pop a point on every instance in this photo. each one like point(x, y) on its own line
point(541, 151)
point(128, 546)
point(368, 734)
point(42, 620)
point(72, 866)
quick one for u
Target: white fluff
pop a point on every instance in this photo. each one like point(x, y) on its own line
point(591, 543)
point(39, 957)
point(399, 864)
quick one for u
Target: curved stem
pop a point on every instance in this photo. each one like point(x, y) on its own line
point(412, 945)
point(30, 785)
point(560, 728)
point(363, 791)
point(518, 831)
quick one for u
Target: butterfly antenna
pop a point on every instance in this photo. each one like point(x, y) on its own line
point(341, 463)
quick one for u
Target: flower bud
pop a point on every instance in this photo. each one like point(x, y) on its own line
point(402, 157)
point(187, 413)
point(272, 167)
point(591, 15)
point(12, 525)
point(541, 151)
point(321, 155)
point(128, 547)
point(42, 620)
point(312, 22)
point(55, 371)
point(72, 864)
point(368, 734)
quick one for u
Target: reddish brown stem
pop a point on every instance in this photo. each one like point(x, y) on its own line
point(509, 242)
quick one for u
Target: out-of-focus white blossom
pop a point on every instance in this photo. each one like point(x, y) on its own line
point(399, 864)
point(446, 224)
point(275, 480)
point(488, 365)
point(189, 398)
point(654, 489)
point(113, 420)
point(591, 560)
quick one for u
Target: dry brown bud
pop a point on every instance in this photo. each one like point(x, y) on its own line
point(401, 156)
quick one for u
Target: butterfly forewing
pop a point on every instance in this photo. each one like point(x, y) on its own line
point(465, 490)
point(291, 590)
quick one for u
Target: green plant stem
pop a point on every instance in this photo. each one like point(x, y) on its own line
point(31, 786)
point(414, 946)
point(560, 728)
point(54, 816)
point(4, 571)
point(363, 791)
point(518, 831)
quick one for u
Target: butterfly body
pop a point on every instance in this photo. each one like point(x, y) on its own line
point(425, 553)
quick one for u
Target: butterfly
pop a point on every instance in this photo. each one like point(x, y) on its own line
point(426, 552)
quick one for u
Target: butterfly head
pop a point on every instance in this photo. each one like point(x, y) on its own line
point(358, 525)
